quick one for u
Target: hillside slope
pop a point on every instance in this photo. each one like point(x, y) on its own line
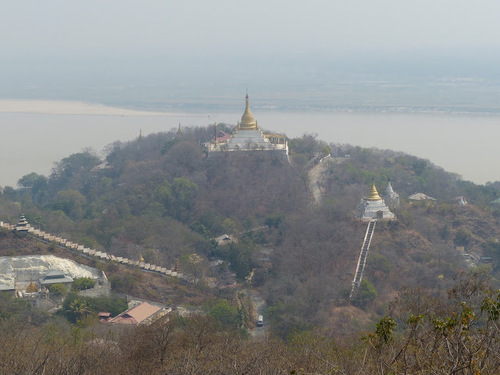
point(162, 197)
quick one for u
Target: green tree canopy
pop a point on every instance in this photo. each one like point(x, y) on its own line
point(83, 283)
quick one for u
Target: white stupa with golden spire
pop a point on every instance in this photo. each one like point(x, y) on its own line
point(248, 136)
point(373, 207)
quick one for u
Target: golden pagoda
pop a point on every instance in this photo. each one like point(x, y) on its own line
point(373, 196)
point(373, 207)
point(247, 120)
point(31, 288)
point(248, 137)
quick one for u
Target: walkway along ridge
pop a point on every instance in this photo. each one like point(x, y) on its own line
point(103, 256)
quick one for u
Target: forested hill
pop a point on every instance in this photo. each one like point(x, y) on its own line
point(161, 196)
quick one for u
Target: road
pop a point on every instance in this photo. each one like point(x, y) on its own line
point(260, 307)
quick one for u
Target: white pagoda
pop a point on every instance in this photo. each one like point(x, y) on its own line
point(373, 207)
point(249, 137)
point(391, 198)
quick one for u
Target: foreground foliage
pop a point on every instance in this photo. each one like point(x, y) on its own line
point(424, 334)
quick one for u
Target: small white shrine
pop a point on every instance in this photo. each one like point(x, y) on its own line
point(373, 207)
point(391, 198)
point(22, 225)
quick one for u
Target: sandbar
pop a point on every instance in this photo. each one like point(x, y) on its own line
point(63, 107)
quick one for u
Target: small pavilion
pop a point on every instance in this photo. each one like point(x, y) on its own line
point(22, 225)
point(55, 277)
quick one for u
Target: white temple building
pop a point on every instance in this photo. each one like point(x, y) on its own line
point(249, 137)
point(373, 207)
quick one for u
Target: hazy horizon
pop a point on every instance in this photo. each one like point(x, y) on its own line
point(197, 55)
point(200, 57)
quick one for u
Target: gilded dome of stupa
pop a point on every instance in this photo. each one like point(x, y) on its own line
point(247, 120)
point(31, 288)
point(373, 196)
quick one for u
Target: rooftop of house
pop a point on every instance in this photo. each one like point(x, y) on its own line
point(136, 314)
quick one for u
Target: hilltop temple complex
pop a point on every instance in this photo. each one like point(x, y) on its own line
point(249, 137)
point(373, 207)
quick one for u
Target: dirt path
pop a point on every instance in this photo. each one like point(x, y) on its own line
point(260, 307)
point(314, 181)
point(316, 175)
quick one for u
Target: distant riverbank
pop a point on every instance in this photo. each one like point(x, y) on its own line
point(32, 140)
point(60, 107)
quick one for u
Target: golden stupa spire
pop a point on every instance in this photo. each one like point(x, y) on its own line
point(141, 259)
point(180, 131)
point(31, 288)
point(373, 196)
point(247, 120)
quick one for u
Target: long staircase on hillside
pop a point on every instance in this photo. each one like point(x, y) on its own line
point(358, 276)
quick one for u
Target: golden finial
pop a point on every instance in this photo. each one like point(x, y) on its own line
point(373, 196)
point(179, 130)
point(247, 120)
point(141, 259)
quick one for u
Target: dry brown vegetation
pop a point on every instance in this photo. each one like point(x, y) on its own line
point(425, 333)
point(163, 196)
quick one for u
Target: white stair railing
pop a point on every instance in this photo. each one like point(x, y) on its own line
point(358, 276)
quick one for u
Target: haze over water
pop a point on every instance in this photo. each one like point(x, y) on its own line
point(366, 56)
point(464, 144)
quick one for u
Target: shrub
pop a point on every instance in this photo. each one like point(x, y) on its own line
point(224, 313)
point(366, 294)
point(58, 289)
point(83, 283)
point(123, 283)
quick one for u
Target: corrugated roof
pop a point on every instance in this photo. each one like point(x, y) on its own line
point(136, 314)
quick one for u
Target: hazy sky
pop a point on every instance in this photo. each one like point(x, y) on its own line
point(122, 52)
point(163, 28)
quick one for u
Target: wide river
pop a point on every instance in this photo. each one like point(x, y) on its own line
point(464, 144)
